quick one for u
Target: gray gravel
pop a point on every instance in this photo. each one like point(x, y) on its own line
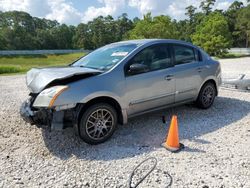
point(217, 152)
point(232, 68)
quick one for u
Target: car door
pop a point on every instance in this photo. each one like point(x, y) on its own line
point(187, 72)
point(153, 87)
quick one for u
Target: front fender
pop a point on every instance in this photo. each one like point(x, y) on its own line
point(104, 94)
point(76, 94)
point(69, 97)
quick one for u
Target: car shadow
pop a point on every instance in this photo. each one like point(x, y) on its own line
point(145, 133)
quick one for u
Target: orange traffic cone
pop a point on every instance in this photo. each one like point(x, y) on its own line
point(172, 141)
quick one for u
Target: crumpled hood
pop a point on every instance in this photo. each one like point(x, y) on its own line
point(38, 78)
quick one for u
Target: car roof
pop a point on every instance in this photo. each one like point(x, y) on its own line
point(148, 41)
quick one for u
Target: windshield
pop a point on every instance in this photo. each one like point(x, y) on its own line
point(106, 57)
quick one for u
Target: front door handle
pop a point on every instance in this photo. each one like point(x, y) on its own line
point(199, 69)
point(169, 77)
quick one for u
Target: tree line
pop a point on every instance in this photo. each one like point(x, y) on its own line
point(213, 30)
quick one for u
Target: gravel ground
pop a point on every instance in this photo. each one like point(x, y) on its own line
point(217, 152)
point(232, 68)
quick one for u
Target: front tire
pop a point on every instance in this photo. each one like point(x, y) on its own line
point(206, 96)
point(98, 123)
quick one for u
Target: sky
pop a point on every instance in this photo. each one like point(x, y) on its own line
point(73, 12)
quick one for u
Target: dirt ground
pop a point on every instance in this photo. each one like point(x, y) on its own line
point(216, 154)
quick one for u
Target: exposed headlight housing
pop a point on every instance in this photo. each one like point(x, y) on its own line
point(53, 93)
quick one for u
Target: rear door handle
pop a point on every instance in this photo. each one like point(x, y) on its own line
point(169, 77)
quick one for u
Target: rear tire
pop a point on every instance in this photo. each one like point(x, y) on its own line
point(98, 123)
point(206, 96)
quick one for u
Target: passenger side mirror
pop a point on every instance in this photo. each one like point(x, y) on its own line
point(137, 69)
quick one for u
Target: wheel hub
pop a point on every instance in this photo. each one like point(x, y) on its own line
point(99, 124)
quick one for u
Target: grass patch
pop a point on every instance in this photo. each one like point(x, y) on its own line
point(10, 69)
point(22, 63)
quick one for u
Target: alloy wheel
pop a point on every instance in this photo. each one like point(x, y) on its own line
point(99, 124)
point(208, 95)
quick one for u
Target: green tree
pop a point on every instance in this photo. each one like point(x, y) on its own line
point(63, 36)
point(3, 44)
point(183, 28)
point(18, 30)
point(243, 24)
point(45, 40)
point(213, 34)
point(207, 5)
point(103, 30)
point(231, 15)
point(190, 13)
point(136, 20)
point(123, 26)
point(21, 31)
point(186, 27)
point(157, 27)
point(236, 5)
point(83, 37)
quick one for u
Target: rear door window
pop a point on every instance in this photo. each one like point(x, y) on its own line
point(183, 54)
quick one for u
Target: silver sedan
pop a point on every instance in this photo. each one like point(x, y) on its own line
point(119, 81)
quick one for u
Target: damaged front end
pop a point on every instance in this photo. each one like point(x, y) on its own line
point(56, 118)
point(46, 85)
point(35, 116)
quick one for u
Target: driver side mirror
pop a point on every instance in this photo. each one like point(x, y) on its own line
point(137, 69)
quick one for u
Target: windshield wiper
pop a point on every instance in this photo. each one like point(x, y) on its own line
point(83, 66)
point(87, 67)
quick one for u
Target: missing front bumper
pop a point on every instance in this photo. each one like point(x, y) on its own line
point(35, 116)
point(26, 113)
point(57, 120)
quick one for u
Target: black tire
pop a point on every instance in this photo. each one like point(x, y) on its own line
point(206, 96)
point(98, 123)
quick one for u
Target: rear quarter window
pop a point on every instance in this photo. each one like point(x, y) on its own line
point(198, 55)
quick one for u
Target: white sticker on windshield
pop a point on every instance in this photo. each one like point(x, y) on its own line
point(119, 54)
